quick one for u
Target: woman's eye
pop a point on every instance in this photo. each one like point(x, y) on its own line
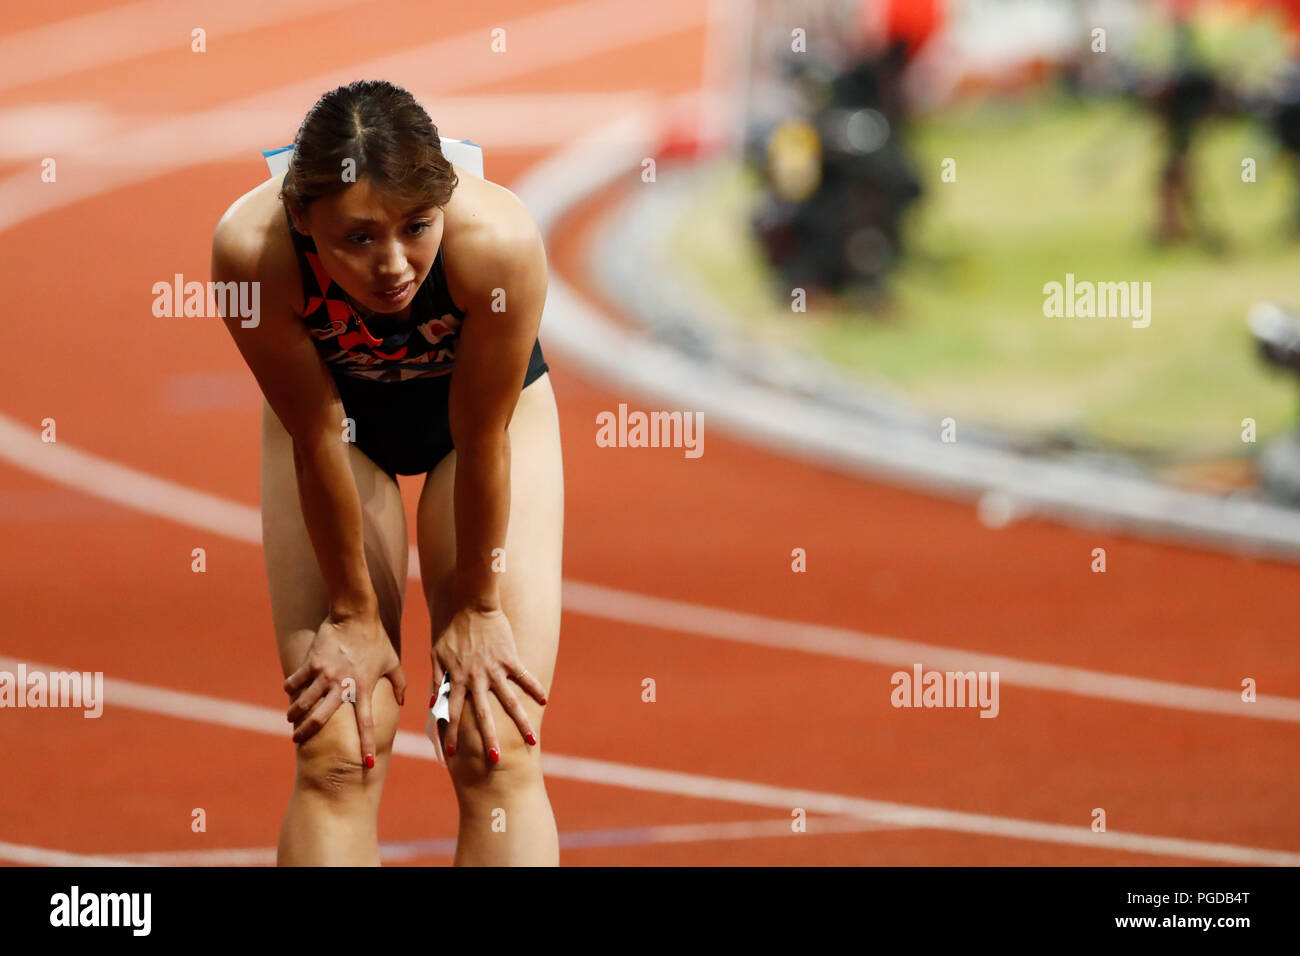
point(358, 237)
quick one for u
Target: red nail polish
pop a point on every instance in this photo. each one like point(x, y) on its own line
point(451, 750)
point(543, 700)
point(532, 739)
point(370, 761)
point(496, 754)
point(433, 699)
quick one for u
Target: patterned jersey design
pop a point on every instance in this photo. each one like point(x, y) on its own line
point(380, 348)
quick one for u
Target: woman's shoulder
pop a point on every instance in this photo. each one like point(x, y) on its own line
point(254, 233)
point(484, 224)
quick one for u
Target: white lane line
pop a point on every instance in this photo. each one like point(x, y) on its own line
point(130, 31)
point(573, 840)
point(750, 829)
point(214, 710)
point(61, 463)
point(52, 128)
point(598, 601)
point(531, 120)
point(238, 129)
point(905, 815)
point(42, 856)
point(76, 131)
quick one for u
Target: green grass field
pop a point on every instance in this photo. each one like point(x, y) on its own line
point(1044, 188)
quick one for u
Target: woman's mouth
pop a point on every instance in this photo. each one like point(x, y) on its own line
point(398, 294)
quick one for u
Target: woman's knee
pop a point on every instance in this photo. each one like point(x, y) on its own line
point(472, 769)
point(330, 760)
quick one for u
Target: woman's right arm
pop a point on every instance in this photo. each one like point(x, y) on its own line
point(288, 369)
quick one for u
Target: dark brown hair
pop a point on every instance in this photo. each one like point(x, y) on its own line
point(384, 131)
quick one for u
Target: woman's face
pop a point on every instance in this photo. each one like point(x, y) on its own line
point(369, 243)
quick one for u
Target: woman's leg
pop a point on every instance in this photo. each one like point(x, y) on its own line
point(332, 817)
point(512, 793)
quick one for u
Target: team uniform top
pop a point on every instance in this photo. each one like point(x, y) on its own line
point(382, 348)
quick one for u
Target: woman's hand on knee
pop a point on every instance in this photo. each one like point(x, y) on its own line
point(477, 648)
point(346, 660)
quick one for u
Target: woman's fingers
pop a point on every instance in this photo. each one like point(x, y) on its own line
point(321, 713)
point(299, 677)
point(515, 709)
point(529, 683)
point(306, 698)
point(479, 684)
point(366, 725)
point(397, 677)
point(486, 727)
point(455, 702)
point(437, 680)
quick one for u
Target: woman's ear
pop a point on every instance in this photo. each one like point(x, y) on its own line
point(299, 221)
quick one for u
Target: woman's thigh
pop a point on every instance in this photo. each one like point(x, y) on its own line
point(299, 597)
point(530, 583)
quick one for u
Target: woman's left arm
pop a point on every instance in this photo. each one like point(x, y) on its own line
point(496, 340)
point(503, 313)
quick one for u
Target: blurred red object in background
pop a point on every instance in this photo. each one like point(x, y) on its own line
point(912, 21)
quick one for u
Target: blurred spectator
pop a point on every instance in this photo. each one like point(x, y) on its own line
point(838, 178)
point(1182, 103)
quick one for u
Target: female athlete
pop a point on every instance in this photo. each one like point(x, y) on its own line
point(400, 299)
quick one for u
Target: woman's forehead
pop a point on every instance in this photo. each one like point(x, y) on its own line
point(363, 203)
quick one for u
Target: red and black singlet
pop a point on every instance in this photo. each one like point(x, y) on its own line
point(380, 348)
